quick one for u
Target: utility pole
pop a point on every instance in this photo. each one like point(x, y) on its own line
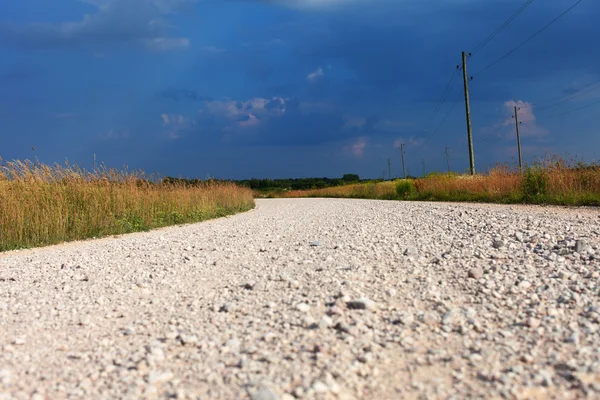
point(423, 168)
point(390, 168)
point(518, 139)
point(448, 159)
point(468, 111)
point(402, 153)
point(94, 162)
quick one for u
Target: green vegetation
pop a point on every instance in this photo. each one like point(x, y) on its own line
point(42, 205)
point(552, 181)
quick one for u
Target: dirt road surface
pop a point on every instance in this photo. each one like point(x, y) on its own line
point(313, 299)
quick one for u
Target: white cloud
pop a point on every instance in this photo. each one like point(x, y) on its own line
point(358, 148)
point(410, 141)
point(354, 122)
point(244, 111)
point(529, 126)
point(167, 44)
point(114, 22)
point(214, 49)
point(390, 126)
point(315, 76)
point(176, 124)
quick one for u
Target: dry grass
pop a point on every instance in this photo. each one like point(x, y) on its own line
point(43, 205)
point(551, 181)
point(375, 190)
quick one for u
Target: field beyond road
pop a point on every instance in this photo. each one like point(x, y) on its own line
point(313, 298)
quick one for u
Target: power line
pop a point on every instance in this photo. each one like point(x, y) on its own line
point(442, 99)
point(443, 121)
point(500, 28)
point(568, 98)
point(529, 38)
point(491, 135)
point(562, 96)
point(576, 109)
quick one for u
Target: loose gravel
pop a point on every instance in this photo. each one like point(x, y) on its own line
point(313, 299)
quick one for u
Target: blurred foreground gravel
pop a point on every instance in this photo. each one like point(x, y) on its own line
point(315, 299)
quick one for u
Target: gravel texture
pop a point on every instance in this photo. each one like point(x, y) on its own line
point(313, 298)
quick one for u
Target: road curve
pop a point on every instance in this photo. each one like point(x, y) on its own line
point(313, 298)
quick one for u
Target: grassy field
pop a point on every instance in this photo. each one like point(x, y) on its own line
point(552, 181)
point(42, 205)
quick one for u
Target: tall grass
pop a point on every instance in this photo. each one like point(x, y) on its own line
point(42, 205)
point(549, 181)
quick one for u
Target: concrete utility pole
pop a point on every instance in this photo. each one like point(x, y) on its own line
point(423, 167)
point(518, 140)
point(448, 159)
point(402, 153)
point(390, 168)
point(468, 111)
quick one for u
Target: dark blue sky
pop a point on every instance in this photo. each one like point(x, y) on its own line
point(291, 88)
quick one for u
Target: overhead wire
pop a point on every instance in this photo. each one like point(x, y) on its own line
point(443, 121)
point(568, 99)
point(562, 96)
point(528, 39)
point(571, 111)
point(442, 99)
point(500, 28)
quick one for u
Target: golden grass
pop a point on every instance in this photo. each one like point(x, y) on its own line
point(551, 181)
point(43, 205)
point(373, 190)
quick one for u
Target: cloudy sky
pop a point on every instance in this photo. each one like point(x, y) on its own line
point(294, 88)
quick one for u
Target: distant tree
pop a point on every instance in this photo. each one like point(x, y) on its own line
point(350, 178)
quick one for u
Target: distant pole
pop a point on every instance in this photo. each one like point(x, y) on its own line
point(423, 167)
point(468, 111)
point(518, 140)
point(390, 168)
point(448, 159)
point(402, 153)
point(94, 162)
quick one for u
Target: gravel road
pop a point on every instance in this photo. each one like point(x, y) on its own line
point(313, 298)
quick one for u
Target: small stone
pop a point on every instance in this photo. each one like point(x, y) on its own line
point(294, 284)
point(406, 318)
point(315, 244)
point(157, 377)
point(497, 244)
point(362, 303)
point(475, 273)
point(519, 236)
point(533, 322)
point(264, 393)
point(524, 285)
point(227, 307)
point(580, 246)
point(411, 251)
point(188, 339)
point(527, 358)
point(325, 322)
point(129, 331)
point(18, 342)
point(233, 344)
point(250, 285)
point(302, 307)
point(320, 387)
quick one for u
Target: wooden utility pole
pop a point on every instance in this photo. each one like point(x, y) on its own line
point(518, 140)
point(468, 111)
point(448, 159)
point(390, 168)
point(402, 153)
